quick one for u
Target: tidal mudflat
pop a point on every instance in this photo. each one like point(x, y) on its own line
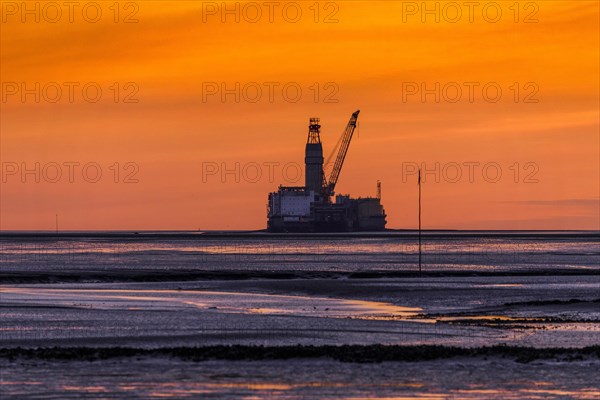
point(241, 323)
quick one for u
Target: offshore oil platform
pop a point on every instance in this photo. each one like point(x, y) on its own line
point(310, 208)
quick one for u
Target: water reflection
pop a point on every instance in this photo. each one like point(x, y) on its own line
point(226, 302)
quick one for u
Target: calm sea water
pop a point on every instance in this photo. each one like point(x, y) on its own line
point(336, 254)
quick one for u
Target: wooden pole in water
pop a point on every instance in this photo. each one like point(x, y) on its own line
point(419, 220)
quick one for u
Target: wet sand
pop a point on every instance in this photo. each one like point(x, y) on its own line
point(160, 377)
point(553, 319)
point(102, 318)
point(476, 311)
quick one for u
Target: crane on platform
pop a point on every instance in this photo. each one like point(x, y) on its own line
point(344, 143)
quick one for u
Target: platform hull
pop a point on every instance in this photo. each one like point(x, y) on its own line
point(324, 224)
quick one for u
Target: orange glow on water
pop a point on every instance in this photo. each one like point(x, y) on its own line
point(227, 302)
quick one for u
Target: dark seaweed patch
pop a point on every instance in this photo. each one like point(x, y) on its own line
point(346, 353)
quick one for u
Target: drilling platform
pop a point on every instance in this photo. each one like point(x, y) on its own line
point(310, 208)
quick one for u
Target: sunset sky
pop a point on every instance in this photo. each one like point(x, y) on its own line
point(376, 50)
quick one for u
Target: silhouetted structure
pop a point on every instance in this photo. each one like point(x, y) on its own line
point(309, 208)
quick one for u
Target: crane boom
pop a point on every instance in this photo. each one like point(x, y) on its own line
point(329, 187)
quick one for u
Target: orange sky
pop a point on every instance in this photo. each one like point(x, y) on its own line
point(369, 54)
